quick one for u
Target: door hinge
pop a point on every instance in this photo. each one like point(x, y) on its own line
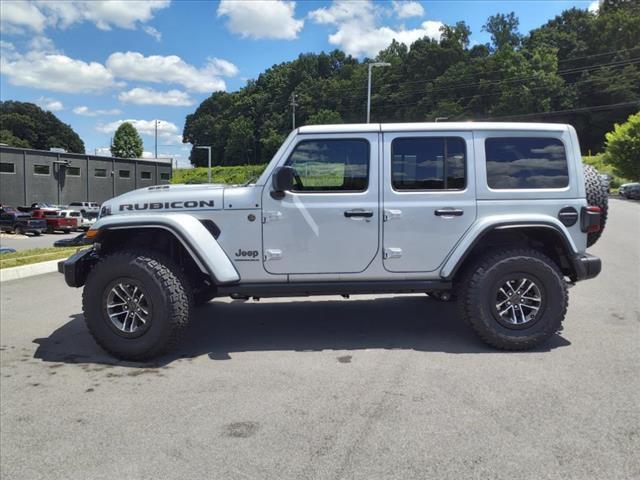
point(392, 252)
point(272, 254)
point(390, 214)
point(271, 216)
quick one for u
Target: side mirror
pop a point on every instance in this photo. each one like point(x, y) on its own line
point(281, 181)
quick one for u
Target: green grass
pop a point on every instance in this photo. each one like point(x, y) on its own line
point(229, 175)
point(34, 255)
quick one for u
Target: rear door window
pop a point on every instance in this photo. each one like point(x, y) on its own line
point(428, 163)
point(526, 163)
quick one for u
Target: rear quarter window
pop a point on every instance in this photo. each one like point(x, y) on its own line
point(526, 163)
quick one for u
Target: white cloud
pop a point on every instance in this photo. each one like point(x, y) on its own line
point(357, 32)
point(43, 44)
point(152, 32)
point(407, 9)
point(87, 112)
point(594, 6)
point(265, 19)
point(167, 131)
point(171, 69)
point(50, 104)
point(149, 96)
point(56, 72)
point(22, 16)
point(18, 15)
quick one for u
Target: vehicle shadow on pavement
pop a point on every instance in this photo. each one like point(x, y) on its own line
point(219, 329)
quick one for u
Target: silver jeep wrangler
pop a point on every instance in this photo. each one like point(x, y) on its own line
point(494, 215)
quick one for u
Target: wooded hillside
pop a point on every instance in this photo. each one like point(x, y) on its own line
point(579, 68)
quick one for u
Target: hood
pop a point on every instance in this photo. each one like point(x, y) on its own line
point(167, 198)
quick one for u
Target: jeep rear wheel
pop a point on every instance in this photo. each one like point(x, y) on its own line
point(135, 305)
point(515, 299)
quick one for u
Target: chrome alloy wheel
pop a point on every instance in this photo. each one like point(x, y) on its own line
point(518, 302)
point(128, 308)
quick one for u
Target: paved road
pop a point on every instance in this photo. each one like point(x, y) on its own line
point(392, 387)
point(25, 242)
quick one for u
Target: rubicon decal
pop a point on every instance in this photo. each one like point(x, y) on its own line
point(167, 205)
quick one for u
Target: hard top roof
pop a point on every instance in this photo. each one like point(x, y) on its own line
point(430, 127)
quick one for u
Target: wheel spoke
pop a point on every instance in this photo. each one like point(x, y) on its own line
point(532, 299)
point(506, 310)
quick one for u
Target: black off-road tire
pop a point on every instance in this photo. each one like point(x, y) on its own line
point(598, 196)
point(477, 293)
point(169, 298)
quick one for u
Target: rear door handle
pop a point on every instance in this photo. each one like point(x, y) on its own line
point(449, 212)
point(358, 213)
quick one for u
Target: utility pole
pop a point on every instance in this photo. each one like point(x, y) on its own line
point(293, 110)
point(156, 138)
point(371, 65)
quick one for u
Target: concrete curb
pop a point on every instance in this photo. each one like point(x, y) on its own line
point(15, 273)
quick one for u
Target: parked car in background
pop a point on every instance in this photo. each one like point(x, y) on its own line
point(85, 207)
point(54, 222)
point(87, 220)
point(630, 190)
point(48, 207)
point(77, 216)
point(14, 221)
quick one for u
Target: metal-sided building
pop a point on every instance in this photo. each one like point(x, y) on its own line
point(28, 176)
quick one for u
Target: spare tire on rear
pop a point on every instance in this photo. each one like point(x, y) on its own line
point(598, 196)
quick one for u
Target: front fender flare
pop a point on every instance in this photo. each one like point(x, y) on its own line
point(192, 234)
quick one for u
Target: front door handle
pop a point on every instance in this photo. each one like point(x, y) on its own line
point(449, 212)
point(358, 213)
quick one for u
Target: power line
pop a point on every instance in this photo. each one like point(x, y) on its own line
point(482, 95)
point(595, 108)
point(632, 61)
point(484, 83)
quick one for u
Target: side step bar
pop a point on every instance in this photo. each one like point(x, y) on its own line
point(304, 289)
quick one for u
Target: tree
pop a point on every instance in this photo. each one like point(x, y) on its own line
point(324, 117)
point(8, 138)
point(623, 148)
point(503, 30)
point(575, 62)
point(28, 126)
point(126, 142)
point(239, 148)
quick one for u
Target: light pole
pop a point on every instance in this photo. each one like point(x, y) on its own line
point(371, 65)
point(209, 170)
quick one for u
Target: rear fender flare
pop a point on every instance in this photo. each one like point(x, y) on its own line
point(475, 235)
point(204, 249)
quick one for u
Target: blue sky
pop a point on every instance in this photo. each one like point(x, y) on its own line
point(97, 63)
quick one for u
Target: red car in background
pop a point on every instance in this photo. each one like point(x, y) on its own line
point(55, 222)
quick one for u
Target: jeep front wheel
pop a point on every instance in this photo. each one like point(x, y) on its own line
point(135, 305)
point(515, 299)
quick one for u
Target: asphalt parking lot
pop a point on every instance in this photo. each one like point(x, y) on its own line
point(26, 242)
point(394, 387)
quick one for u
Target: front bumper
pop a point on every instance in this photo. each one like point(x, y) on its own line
point(76, 268)
point(586, 266)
